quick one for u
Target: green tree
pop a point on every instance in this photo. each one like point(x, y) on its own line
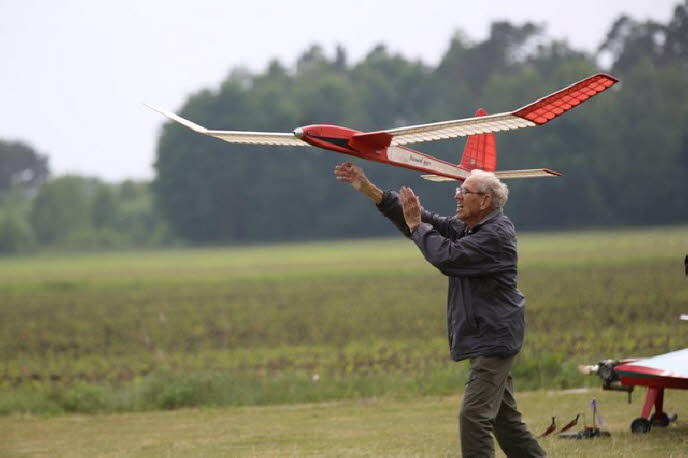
point(136, 216)
point(104, 211)
point(62, 206)
point(16, 235)
point(21, 166)
point(630, 41)
point(503, 50)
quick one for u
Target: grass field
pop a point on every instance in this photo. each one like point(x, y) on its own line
point(381, 427)
point(295, 323)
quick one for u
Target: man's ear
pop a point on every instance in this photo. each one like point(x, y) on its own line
point(487, 201)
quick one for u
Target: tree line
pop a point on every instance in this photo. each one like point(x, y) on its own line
point(624, 153)
point(71, 211)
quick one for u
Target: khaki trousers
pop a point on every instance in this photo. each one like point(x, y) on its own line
point(489, 407)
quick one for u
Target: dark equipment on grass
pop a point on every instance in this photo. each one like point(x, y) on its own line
point(570, 424)
point(588, 432)
point(550, 429)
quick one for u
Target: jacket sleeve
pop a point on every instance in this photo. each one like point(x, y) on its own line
point(390, 207)
point(472, 255)
point(441, 224)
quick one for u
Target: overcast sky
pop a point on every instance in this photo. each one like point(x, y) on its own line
point(74, 74)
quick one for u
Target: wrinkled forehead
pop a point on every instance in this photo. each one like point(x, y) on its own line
point(471, 183)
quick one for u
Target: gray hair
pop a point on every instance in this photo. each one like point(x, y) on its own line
point(490, 184)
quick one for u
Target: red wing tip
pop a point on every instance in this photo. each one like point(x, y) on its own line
point(553, 172)
point(549, 107)
point(608, 76)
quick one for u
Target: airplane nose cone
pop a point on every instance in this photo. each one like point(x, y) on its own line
point(298, 132)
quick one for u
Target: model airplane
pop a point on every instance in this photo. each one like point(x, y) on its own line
point(669, 370)
point(387, 146)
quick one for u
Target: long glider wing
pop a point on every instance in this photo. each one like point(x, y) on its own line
point(536, 113)
point(252, 138)
point(539, 112)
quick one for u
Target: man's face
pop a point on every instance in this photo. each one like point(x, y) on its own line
point(471, 205)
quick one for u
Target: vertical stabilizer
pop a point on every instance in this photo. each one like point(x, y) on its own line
point(480, 151)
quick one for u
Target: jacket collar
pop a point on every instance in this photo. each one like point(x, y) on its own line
point(490, 216)
point(494, 214)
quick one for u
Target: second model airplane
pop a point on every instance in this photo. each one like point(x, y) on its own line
point(388, 146)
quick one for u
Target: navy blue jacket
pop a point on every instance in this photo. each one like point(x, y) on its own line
point(485, 309)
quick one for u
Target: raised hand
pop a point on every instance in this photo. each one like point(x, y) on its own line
point(412, 208)
point(350, 173)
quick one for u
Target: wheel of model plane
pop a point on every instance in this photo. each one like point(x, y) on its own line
point(663, 420)
point(640, 426)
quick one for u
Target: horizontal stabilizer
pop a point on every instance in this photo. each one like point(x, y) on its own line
point(504, 174)
point(527, 173)
point(437, 178)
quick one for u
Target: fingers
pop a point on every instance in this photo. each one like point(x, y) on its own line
point(409, 199)
point(408, 196)
point(349, 173)
point(344, 172)
point(406, 190)
point(346, 168)
point(411, 207)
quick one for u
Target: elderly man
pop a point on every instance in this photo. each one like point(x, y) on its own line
point(476, 250)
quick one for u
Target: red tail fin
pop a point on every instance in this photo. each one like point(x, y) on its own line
point(480, 151)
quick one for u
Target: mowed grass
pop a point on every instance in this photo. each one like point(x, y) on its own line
point(380, 427)
point(321, 321)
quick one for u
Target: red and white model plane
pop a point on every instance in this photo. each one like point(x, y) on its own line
point(668, 370)
point(388, 146)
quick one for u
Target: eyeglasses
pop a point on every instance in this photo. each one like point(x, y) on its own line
point(465, 191)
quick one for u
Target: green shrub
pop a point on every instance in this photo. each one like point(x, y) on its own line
point(16, 235)
point(85, 397)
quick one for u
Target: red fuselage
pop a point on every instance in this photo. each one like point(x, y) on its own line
point(375, 146)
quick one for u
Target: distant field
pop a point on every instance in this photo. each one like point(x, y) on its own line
point(311, 322)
